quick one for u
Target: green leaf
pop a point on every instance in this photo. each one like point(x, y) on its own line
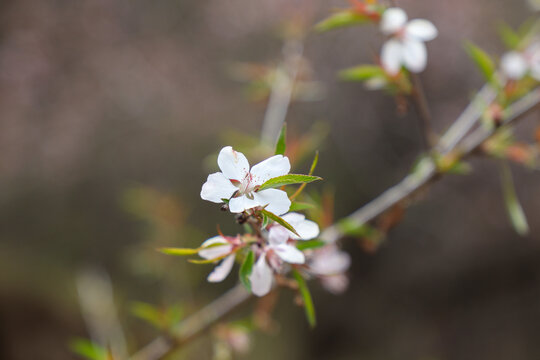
point(350, 227)
point(515, 211)
point(281, 143)
point(299, 206)
point(288, 179)
point(314, 163)
point(341, 19)
point(88, 349)
point(362, 73)
point(306, 296)
point(245, 270)
point(280, 221)
point(265, 221)
point(509, 37)
point(179, 251)
point(482, 60)
point(185, 251)
point(309, 244)
point(148, 313)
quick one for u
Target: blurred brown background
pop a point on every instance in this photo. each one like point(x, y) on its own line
point(100, 97)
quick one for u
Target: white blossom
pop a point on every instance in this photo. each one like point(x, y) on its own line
point(405, 47)
point(330, 264)
point(222, 270)
point(237, 179)
point(515, 65)
point(279, 244)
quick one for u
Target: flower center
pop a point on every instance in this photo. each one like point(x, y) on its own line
point(246, 187)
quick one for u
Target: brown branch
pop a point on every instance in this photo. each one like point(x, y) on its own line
point(457, 141)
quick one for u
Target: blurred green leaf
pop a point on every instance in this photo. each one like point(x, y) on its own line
point(341, 19)
point(352, 228)
point(515, 211)
point(288, 179)
point(148, 313)
point(245, 270)
point(309, 244)
point(88, 349)
point(482, 60)
point(306, 296)
point(281, 143)
point(299, 206)
point(362, 73)
point(280, 221)
point(509, 37)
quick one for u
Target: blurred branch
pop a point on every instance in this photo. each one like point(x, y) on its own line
point(412, 182)
point(421, 104)
point(282, 88)
point(455, 139)
point(195, 325)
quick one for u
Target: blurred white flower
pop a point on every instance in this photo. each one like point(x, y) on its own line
point(406, 44)
point(222, 270)
point(237, 179)
point(330, 264)
point(515, 65)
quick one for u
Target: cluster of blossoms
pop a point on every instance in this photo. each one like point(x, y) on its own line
point(272, 244)
point(515, 65)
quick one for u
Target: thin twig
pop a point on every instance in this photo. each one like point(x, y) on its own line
point(419, 98)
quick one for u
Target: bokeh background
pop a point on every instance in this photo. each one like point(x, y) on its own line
point(110, 114)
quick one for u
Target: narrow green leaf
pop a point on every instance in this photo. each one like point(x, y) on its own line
point(265, 221)
point(299, 206)
point(309, 308)
point(340, 19)
point(178, 251)
point(314, 163)
point(281, 144)
point(482, 60)
point(280, 221)
point(509, 37)
point(311, 170)
point(515, 211)
point(309, 244)
point(87, 349)
point(148, 313)
point(362, 73)
point(288, 179)
point(245, 270)
point(352, 228)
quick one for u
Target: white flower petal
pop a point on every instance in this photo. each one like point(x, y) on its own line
point(261, 277)
point(215, 251)
point(233, 164)
point(392, 56)
point(289, 253)
point(414, 55)
point(336, 284)
point(421, 29)
point(241, 203)
point(217, 187)
point(514, 65)
point(278, 235)
point(307, 229)
point(393, 19)
point(330, 261)
point(270, 168)
point(221, 271)
point(277, 200)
